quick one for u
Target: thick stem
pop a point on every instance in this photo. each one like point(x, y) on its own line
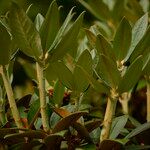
point(11, 98)
point(109, 114)
point(42, 94)
point(124, 100)
point(148, 100)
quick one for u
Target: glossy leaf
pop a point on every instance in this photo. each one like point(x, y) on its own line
point(131, 76)
point(5, 45)
point(58, 94)
point(122, 40)
point(50, 26)
point(138, 130)
point(64, 123)
point(104, 47)
point(138, 32)
point(24, 32)
point(117, 126)
point(85, 60)
point(107, 70)
point(38, 21)
point(67, 40)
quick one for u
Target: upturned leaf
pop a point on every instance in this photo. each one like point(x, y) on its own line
point(104, 47)
point(131, 76)
point(107, 70)
point(58, 94)
point(50, 26)
point(138, 32)
point(85, 60)
point(38, 21)
point(122, 40)
point(98, 8)
point(64, 74)
point(67, 41)
point(5, 45)
point(24, 32)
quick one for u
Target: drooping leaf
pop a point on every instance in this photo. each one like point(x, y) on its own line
point(131, 76)
point(138, 32)
point(122, 40)
point(67, 40)
point(5, 45)
point(107, 70)
point(85, 60)
point(38, 21)
point(138, 130)
point(24, 32)
point(31, 134)
point(64, 123)
point(117, 126)
point(50, 26)
point(58, 94)
point(104, 47)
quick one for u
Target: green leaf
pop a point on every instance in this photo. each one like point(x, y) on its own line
point(131, 76)
point(146, 70)
point(96, 84)
point(5, 45)
point(50, 26)
point(137, 147)
point(138, 32)
point(64, 74)
point(122, 40)
point(38, 21)
point(104, 47)
point(108, 72)
point(117, 126)
point(98, 8)
point(85, 60)
point(67, 40)
point(24, 32)
point(142, 48)
point(34, 109)
point(138, 130)
point(58, 94)
point(64, 123)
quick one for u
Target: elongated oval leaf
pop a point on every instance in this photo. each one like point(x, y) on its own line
point(24, 32)
point(107, 70)
point(64, 123)
point(131, 76)
point(5, 45)
point(122, 40)
point(117, 126)
point(64, 74)
point(104, 47)
point(58, 94)
point(38, 21)
point(138, 32)
point(138, 130)
point(67, 40)
point(50, 26)
point(98, 8)
point(85, 60)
